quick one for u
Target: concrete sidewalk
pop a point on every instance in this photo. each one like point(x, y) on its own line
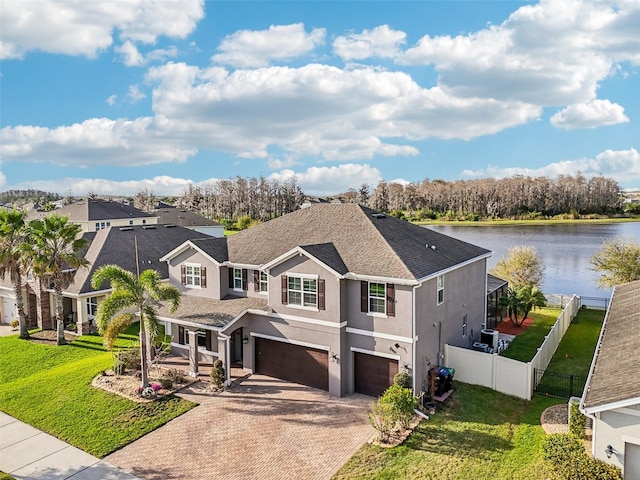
point(27, 453)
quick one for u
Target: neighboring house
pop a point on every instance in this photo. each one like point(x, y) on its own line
point(96, 214)
point(337, 297)
point(117, 245)
point(612, 392)
point(171, 215)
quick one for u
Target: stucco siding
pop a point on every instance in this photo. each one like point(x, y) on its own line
point(613, 427)
point(191, 256)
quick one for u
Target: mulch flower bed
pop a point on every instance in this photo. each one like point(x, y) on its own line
point(507, 326)
point(50, 337)
point(126, 385)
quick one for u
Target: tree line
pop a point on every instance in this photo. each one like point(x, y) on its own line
point(514, 197)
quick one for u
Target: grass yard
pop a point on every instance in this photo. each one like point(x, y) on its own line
point(480, 434)
point(49, 387)
point(575, 352)
point(525, 346)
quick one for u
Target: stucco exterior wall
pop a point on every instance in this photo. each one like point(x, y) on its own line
point(212, 290)
point(615, 428)
point(436, 325)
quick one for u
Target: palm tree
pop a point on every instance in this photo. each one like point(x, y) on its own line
point(12, 237)
point(530, 297)
point(53, 252)
point(132, 297)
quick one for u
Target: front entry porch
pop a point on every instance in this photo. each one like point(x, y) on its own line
point(181, 363)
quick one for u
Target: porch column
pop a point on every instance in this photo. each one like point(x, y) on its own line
point(193, 353)
point(82, 317)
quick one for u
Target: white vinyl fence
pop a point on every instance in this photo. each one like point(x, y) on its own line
point(504, 374)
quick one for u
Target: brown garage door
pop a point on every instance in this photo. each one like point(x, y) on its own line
point(373, 375)
point(294, 363)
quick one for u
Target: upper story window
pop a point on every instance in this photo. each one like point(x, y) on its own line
point(193, 275)
point(440, 283)
point(264, 282)
point(303, 291)
point(238, 278)
point(92, 306)
point(130, 222)
point(377, 298)
point(144, 221)
point(102, 225)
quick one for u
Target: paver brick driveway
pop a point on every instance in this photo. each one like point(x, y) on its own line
point(264, 428)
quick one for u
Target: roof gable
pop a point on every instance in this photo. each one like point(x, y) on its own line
point(117, 246)
point(362, 242)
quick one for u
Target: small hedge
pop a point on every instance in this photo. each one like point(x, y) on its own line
point(567, 459)
point(577, 421)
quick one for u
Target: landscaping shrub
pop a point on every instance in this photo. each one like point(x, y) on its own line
point(403, 401)
point(14, 323)
point(218, 374)
point(577, 421)
point(383, 418)
point(174, 376)
point(567, 459)
point(130, 359)
point(403, 379)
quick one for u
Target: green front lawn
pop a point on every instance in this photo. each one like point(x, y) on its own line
point(525, 346)
point(480, 434)
point(49, 387)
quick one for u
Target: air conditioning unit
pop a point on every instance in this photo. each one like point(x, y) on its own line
point(490, 337)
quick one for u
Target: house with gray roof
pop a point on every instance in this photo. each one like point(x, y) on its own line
point(335, 296)
point(612, 392)
point(97, 214)
point(113, 245)
point(172, 215)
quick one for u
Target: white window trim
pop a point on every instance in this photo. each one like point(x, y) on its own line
point(302, 276)
point(382, 314)
point(236, 289)
point(260, 282)
point(91, 315)
point(439, 289)
point(186, 275)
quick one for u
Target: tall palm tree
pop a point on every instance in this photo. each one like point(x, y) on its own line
point(53, 252)
point(12, 238)
point(132, 297)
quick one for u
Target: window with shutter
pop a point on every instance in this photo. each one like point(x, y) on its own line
point(284, 292)
point(391, 300)
point(321, 294)
point(192, 275)
point(256, 280)
point(183, 274)
point(203, 277)
point(245, 280)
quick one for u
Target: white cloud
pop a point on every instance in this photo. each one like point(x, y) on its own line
point(331, 180)
point(250, 48)
point(621, 165)
point(131, 56)
point(135, 94)
point(111, 100)
point(550, 53)
point(97, 141)
point(160, 185)
point(589, 115)
point(86, 28)
point(278, 163)
point(380, 42)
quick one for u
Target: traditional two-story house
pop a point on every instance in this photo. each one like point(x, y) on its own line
point(337, 297)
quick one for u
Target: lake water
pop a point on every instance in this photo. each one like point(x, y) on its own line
point(564, 249)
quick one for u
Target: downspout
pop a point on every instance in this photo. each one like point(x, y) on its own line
point(414, 337)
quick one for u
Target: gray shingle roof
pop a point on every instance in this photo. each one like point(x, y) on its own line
point(614, 376)
point(365, 242)
point(90, 210)
point(183, 218)
point(116, 246)
point(215, 313)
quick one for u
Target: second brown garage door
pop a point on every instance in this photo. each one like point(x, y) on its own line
point(295, 363)
point(373, 374)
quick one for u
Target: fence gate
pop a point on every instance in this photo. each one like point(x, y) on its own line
point(556, 384)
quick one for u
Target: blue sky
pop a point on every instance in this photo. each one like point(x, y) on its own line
point(113, 97)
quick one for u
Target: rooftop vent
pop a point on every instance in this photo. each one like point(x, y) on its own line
point(149, 227)
point(169, 225)
point(125, 229)
point(378, 215)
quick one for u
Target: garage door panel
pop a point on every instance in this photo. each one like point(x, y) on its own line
point(294, 363)
point(373, 374)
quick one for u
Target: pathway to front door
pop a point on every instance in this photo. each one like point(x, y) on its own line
point(264, 428)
